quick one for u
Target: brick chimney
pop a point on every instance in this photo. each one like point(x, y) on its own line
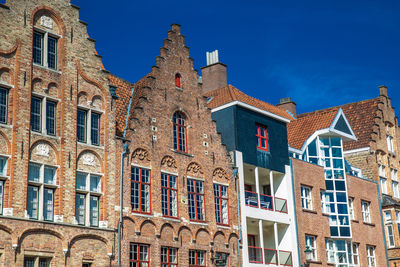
point(214, 75)
point(287, 104)
point(383, 90)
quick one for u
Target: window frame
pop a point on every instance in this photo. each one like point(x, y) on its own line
point(366, 211)
point(177, 126)
point(311, 243)
point(138, 252)
point(43, 115)
point(195, 201)
point(140, 183)
point(389, 142)
point(178, 80)
point(371, 258)
point(306, 200)
point(383, 183)
point(169, 191)
point(390, 237)
point(260, 138)
point(87, 127)
point(168, 263)
point(6, 91)
point(218, 202)
point(351, 208)
point(395, 189)
point(196, 256)
point(44, 49)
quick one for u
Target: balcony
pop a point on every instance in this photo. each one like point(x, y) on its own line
point(271, 256)
point(252, 199)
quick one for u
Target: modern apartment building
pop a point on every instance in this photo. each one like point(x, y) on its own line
point(255, 134)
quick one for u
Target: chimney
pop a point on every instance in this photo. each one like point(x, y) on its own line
point(383, 90)
point(287, 104)
point(214, 74)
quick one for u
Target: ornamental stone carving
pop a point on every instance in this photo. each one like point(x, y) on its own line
point(141, 154)
point(220, 173)
point(46, 22)
point(168, 161)
point(88, 159)
point(194, 168)
point(43, 150)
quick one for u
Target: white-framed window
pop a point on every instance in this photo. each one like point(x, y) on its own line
point(84, 117)
point(365, 211)
point(393, 174)
point(311, 243)
point(43, 115)
point(371, 256)
point(306, 197)
point(342, 253)
point(3, 105)
point(390, 235)
point(87, 198)
point(388, 216)
point(354, 257)
point(389, 141)
point(41, 190)
point(381, 170)
point(395, 188)
point(327, 202)
point(3, 177)
point(397, 216)
point(383, 185)
point(221, 204)
point(351, 208)
point(34, 261)
point(45, 49)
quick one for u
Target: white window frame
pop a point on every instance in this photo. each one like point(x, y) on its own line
point(311, 243)
point(88, 193)
point(351, 208)
point(395, 189)
point(383, 185)
point(88, 129)
point(306, 197)
point(41, 185)
point(389, 141)
point(393, 174)
point(43, 113)
point(46, 35)
point(390, 235)
point(353, 254)
point(365, 211)
point(382, 170)
point(371, 256)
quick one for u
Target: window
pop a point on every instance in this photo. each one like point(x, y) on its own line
point(222, 259)
point(395, 189)
point(41, 188)
point(306, 198)
point(87, 199)
point(342, 253)
point(169, 195)
point(381, 170)
point(351, 208)
point(3, 105)
point(390, 235)
point(262, 138)
point(139, 255)
point(371, 256)
point(179, 132)
point(389, 141)
point(197, 258)
point(393, 174)
point(383, 185)
point(3, 166)
point(83, 117)
point(312, 245)
point(36, 262)
point(327, 202)
point(178, 80)
point(169, 257)
point(140, 190)
point(196, 200)
point(352, 249)
point(388, 216)
point(1, 196)
point(365, 211)
point(45, 49)
point(221, 203)
point(38, 107)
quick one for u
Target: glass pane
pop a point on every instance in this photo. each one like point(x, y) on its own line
point(95, 185)
point(51, 52)
point(94, 211)
point(3, 105)
point(3, 163)
point(51, 118)
point(80, 209)
point(81, 181)
point(33, 202)
point(81, 125)
point(1, 196)
point(49, 175)
point(95, 128)
point(36, 111)
point(29, 262)
point(312, 148)
point(34, 172)
point(37, 48)
point(335, 141)
point(48, 204)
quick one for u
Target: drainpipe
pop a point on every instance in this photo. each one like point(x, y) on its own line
point(235, 173)
point(294, 207)
point(125, 146)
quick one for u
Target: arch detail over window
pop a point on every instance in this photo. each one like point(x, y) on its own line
point(179, 132)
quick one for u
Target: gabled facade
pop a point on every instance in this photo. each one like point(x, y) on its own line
point(346, 208)
point(179, 196)
point(255, 134)
point(57, 145)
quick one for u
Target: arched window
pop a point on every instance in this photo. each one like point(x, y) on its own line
point(178, 80)
point(179, 132)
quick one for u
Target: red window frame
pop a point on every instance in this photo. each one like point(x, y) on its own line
point(168, 263)
point(179, 128)
point(138, 261)
point(218, 201)
point(196, 256)
point(169, 191)
point(140, 183)
point(260, 137)
point(178, 78)
point(195, 194)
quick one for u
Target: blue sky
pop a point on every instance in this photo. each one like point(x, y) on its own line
point(320, 53)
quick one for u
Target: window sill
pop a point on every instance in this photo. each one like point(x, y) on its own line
point(179, 88)
point(147, 215)
point(6, 125)
point(199, 223)
point(47, 68)
point(46, 135)
point(171, 219)
point(355, 221)
point(223, 226)
point(309, 211)
point(90, 145)
point(3, 178)
point(325, 214)
point(182, 153)
point(369, 224)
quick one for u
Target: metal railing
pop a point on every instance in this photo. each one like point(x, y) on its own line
point(255, 255)
point(270, 256)
point(265, 202)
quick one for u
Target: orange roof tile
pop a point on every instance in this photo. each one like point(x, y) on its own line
point(229, 93)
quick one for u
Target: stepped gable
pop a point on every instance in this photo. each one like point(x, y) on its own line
point(229, 93)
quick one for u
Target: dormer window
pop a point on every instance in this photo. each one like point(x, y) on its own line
point(45, 49)
point(178, 80)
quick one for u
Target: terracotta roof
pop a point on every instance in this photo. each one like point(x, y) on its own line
point(229, 93)
point(305, 125)
point(123, 92)
point(361, 119)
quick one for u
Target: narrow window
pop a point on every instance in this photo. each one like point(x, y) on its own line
point(221, 203)
point(383, 185)
point(139, 255)
point(38, 48)
point(140, 190)
point(262, 138)
point(371, 256)
point(390, 234)
point(178, 80)
point(33, 202)
point(51, 118)
point(52, 52)
point(3, 105)
point(80, 208)
point(1, 196)
point(81, 125)
point(87, 198)
point(312, 245)
point(351, 208)
point(365, 211)
point(179, 132)
point(395, 188)
point(169, 257)
point(306, 199)
point(169, 195)
point(196, 200)
point(36, 114)
point(95, 129)
point(197, 258)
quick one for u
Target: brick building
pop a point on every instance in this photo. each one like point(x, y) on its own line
point(179, 193)
point(57, 140)
point(346, 208)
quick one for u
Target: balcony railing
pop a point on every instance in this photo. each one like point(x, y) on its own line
point(255, 255)
point(265, 202)
point(270, 256)
point(285, 258)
